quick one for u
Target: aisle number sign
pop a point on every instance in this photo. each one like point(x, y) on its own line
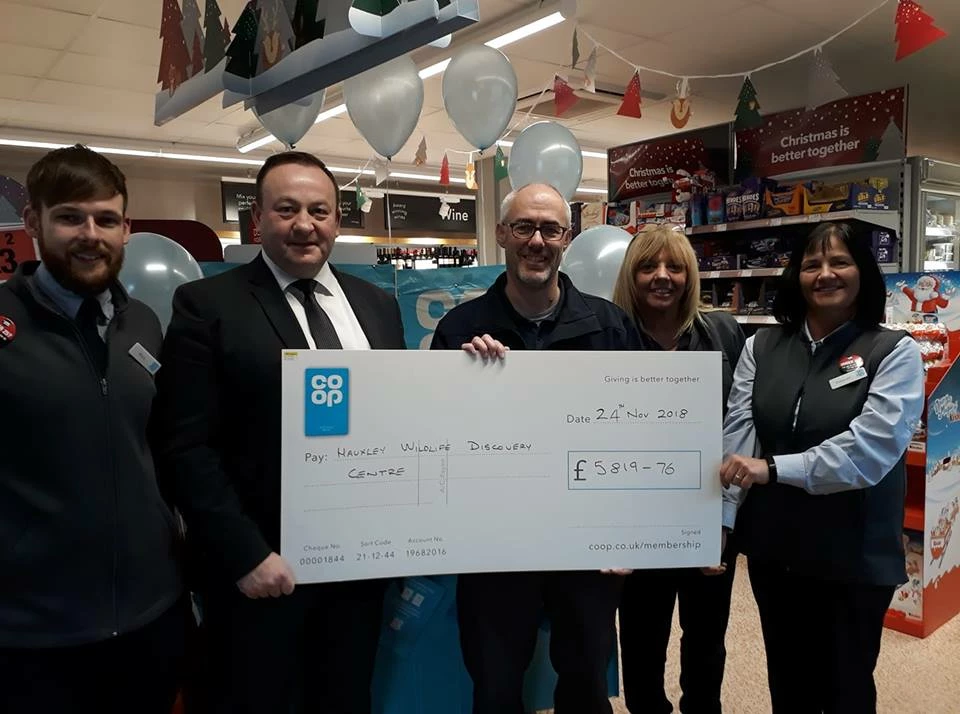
point(16, 247)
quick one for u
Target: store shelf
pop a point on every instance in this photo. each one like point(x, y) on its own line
point(917, 457)
point(913, 517)
point(887, 219)
point(769, 272)
point(756, 319)
point(939, 265)
point(940, 232)
point(754, 273)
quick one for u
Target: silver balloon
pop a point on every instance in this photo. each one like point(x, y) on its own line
point(384, 104)
point(480, 94)
point(290, 123)
point(546, 152)
point(153, 267)
point(594, 257)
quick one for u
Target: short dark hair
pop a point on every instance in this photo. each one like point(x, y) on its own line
point(301, 158)
point(790, 307)
point(74, 173)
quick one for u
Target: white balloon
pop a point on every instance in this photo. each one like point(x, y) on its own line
point(290, 123)
point(480, 94)
point(546, 152)
point(153, 267)
point(594, 257)
point(384, 104)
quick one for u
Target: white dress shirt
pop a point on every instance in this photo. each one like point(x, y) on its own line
point(335, 305)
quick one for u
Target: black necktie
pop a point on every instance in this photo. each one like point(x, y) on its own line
point(321, 329)
point(87, 318)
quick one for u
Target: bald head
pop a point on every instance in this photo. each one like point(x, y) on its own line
point(544, 192)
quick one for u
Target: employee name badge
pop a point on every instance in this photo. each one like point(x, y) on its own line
point(146, 360)
point(848, 378)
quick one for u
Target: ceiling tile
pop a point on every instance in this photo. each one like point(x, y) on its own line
point(120, 41)
point(647, 22)
point(38, 26)
point(14, 86)
point(79, 7)
point(104, 72)
point(27, 61)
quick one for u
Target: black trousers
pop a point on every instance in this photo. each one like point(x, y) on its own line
point(311, 651)
point(136, 672)
point(646, 617)
point(822, 640)
point(499, 615)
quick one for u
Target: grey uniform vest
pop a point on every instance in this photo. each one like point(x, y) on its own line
point(851, 536)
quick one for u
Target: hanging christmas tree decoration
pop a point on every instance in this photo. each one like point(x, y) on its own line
point(823, 86)
point(192, 36)
point(420, 158)
point(216, 38)
point(444, 210)
point(242, 51)
point(362, 199)
point(680, 107)
point(748, 107)
point(275, 38)
point(915, 29)
point(590, 72)
point(175, 59)
point(574, 50)
point(306, 26)
point(563, 96)
point(630, 106)
point(445, 171)
point(500, 165)
point(470, 175)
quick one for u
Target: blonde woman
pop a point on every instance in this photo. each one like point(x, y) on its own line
point(659, 287)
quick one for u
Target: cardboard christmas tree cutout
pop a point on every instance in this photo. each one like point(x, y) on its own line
point(174, 58)
point(306, 26)
point(275, 39)
point(891, 143)
point(748, 107)
point(215, 40)
point(563, 96)
point(823, 85)
point(192, 35)
point(243, 49)
point(630, 106)
point(915, 29)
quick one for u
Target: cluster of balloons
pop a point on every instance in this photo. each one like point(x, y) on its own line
point(153, 268)
point(479, 95)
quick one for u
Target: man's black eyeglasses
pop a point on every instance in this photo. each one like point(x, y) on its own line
point(524, 230)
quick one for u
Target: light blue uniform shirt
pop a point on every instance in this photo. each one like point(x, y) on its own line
point(854, 459)
point(69, 302)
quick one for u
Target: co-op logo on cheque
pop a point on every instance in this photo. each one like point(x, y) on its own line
point(327, 401)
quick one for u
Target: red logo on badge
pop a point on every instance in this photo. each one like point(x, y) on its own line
point(8, 329)
point(850, 363)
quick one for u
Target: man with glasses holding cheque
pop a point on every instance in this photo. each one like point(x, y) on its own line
point(533, 306)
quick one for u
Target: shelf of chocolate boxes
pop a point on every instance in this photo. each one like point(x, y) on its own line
point(758, 204)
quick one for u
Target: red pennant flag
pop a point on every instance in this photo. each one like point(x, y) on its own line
point(915, 29)
point(630, 107)
point(563, 96)
point(445, 172)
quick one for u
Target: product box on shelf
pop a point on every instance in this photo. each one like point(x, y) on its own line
point(716, 207)
point(819, 197)
point(908, 599)
point(783, 201)
point(884, 245)
point(870, 194)
point(734, 205)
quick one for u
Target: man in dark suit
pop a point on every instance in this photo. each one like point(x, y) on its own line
point(274, 647)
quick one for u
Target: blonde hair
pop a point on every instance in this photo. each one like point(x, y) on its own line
point(645, 247)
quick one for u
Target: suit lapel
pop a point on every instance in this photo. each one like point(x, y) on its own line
point(267, 292)
point(363, 309)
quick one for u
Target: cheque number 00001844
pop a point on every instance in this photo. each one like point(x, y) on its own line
point(321, 559)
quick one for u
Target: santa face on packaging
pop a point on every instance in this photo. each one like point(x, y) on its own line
point(925, 296)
